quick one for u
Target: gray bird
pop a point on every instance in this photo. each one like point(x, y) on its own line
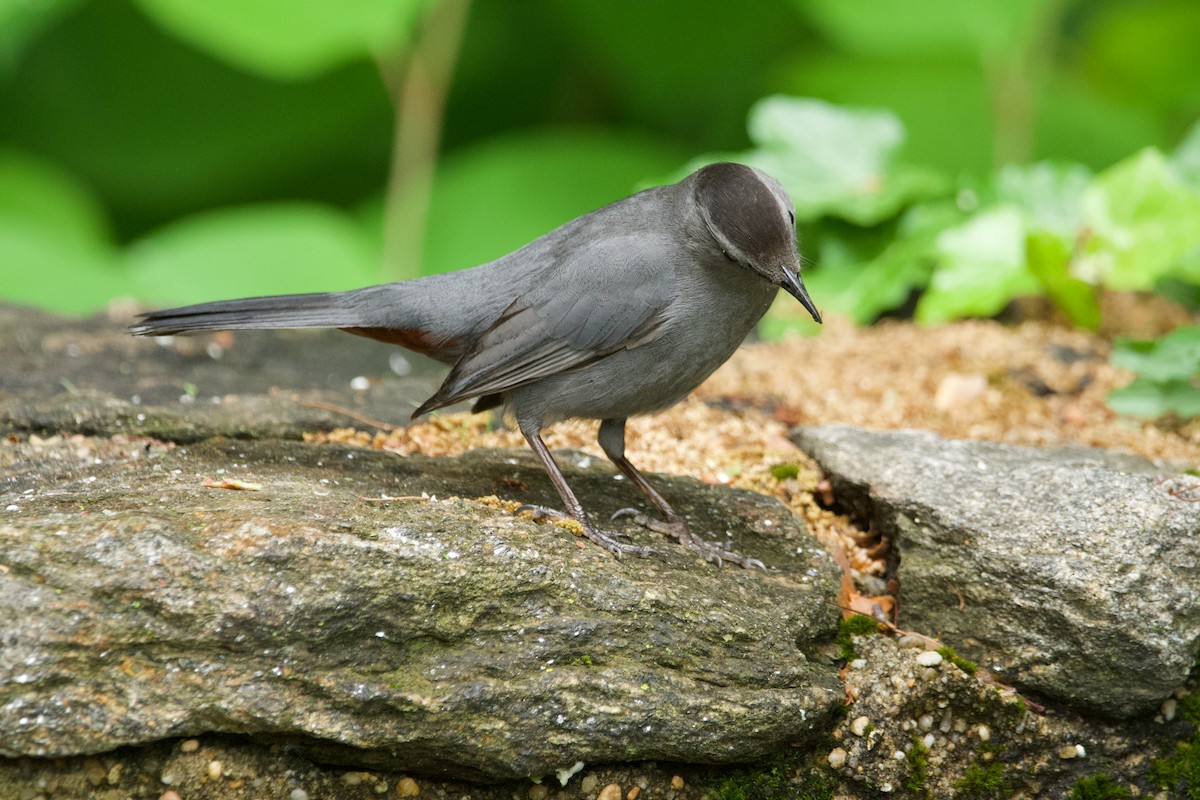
point(620, 312)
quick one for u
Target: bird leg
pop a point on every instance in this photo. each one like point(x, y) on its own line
point(609, 541)
point(612, 440)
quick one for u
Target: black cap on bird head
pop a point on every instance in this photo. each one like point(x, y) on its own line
point(752, 220)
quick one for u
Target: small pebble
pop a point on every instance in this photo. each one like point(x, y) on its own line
point(859, 726)
point(589, 783)
point(352, 778)
point(984, 732)
point(928, 740)
point(298, 794)
point(929, 658)
point(114, 774)
point(633, 793)
point(836, 758)
point(858, 663)
point(170, 794)
point(1169, 707)
point(215, 769)
point(94, 771)
point(610, 792)
point(167, 778)
point(677, 782)
point(189, 746)
point(898, 755)
point(1071, 751)
point(407, 787)
point(538, 792)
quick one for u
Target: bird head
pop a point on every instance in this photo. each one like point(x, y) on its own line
point(753, 222)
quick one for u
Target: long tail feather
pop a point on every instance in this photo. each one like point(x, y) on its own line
point(325, 310)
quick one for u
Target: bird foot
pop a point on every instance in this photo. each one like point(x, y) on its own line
point(716, 553)
point(609, 540)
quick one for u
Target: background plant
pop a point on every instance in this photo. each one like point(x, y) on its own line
point(945, 158)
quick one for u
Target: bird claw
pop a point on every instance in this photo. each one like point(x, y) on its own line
point(609, 540)
point(713, 553)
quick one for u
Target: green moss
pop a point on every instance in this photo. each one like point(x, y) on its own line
point(1098, 787)
point(857, 625)
point(785, 777)
point(917, 782)
point(781, 472)
point(1180, 771)
point(984, 782)
point(947, 652)
point(1189, 708)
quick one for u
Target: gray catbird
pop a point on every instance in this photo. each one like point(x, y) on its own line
point(622, 311)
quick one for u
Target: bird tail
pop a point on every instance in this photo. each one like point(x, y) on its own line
point(323, 310)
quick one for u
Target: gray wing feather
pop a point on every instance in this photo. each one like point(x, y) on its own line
point(579, 314)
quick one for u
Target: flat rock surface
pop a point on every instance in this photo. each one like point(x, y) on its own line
point(90, 376)
point(1073, 573)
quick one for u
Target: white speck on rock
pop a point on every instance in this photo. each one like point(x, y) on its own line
point(929, 658)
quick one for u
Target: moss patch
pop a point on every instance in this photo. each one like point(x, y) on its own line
point(984, 782)
point(917, 783)
point(1099, 787)
point(947, 652)
point(786, 777)
point(848, 628)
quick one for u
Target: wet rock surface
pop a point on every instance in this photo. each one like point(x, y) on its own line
point(1072, 573)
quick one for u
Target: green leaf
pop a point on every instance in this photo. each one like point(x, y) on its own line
point(1152, 399)
point(1175, 356)
point(43, 194)
point(287, 38)
point(241, 252)
point(981, 267)
point(43, 268)
point(1049, 261)
point(1048, 195)
point(836, 160)
point(864, 289)
point(1145, 220)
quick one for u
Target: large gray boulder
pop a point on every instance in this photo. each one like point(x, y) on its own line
point(1072, 573)
point(439, 636)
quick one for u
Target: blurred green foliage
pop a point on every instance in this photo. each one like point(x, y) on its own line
point(959, 154)
point(1166, 371)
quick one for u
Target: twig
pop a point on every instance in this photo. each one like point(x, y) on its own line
point(345, 412)
point(418, 85)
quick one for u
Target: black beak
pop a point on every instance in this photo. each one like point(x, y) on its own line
point(795, 287)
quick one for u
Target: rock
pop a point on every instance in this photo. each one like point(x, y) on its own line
point(1073, 573)
point(443, 636)
point(90, 376)
point(895, 692)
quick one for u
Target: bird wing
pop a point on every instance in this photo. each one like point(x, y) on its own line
point(603, 298)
